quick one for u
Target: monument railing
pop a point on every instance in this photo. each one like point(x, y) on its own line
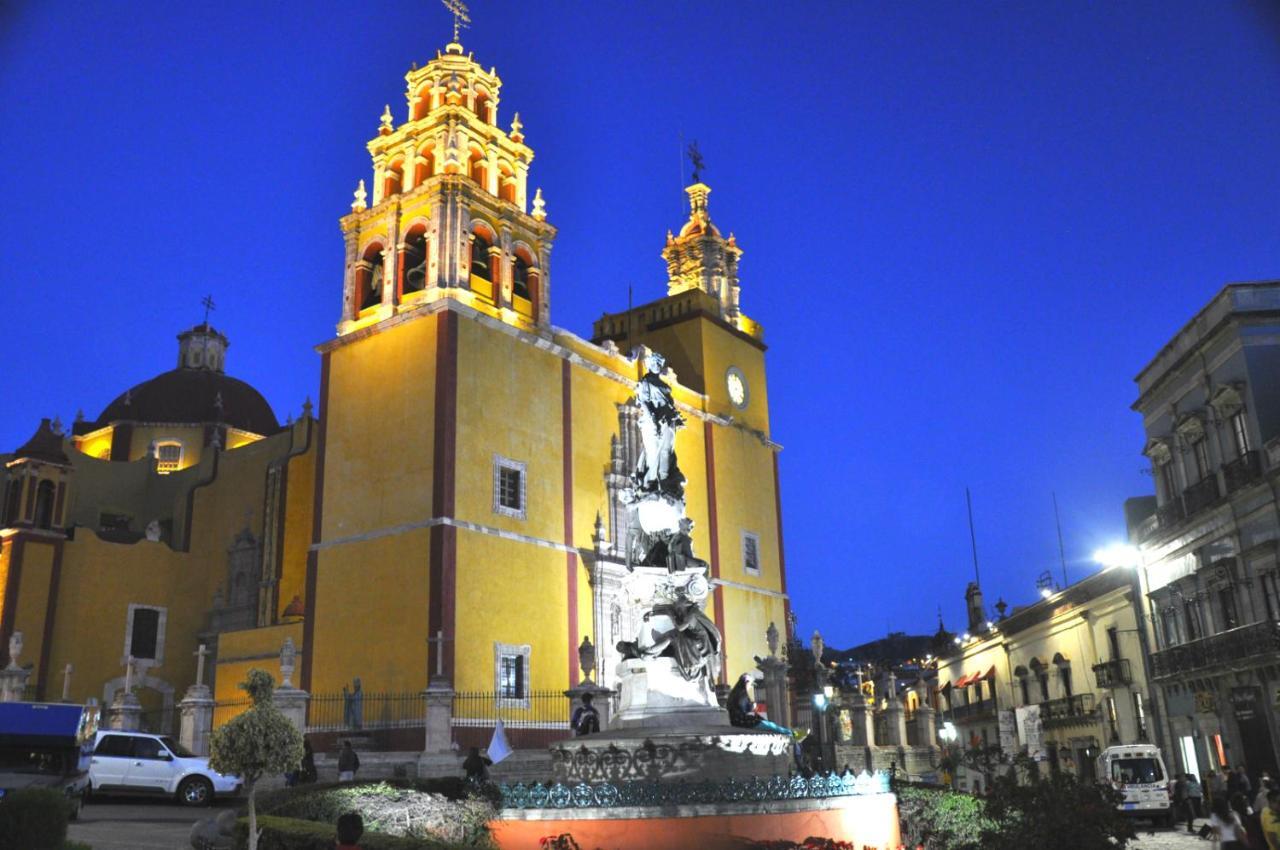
point(348, 712)
point(530, 722)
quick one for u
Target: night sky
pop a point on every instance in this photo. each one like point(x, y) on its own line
point(966, 227)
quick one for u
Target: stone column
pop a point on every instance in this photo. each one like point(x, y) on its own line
point(864, 722)
point(775, 680)
point(196, 710)
point(895, 716)
point(291, 701)
point(439, 758)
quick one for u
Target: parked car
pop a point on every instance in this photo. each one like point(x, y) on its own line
point(1138, 771)
point(141, 763)
point(47, 745)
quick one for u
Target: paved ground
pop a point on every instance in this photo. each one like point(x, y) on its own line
point(1169, 839)
point(133, 824)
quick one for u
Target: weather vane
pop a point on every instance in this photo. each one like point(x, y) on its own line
point(695, 157)
point(460, 17)
point(207, 301)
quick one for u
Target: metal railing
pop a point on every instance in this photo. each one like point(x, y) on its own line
point(1171, 513)
point(1223, 650)
point(1068, 709)
point(1200, 495)
point(1242, 471)
point(974, 710)
point(356, 712)
point(1110, 674)
point(530, 722)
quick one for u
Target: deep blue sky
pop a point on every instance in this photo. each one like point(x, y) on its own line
point(967, 226)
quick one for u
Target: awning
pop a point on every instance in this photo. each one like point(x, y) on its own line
point(973, 678)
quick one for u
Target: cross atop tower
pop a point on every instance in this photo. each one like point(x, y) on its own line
point(207, 301)
point(696, 160)
point(461, 18)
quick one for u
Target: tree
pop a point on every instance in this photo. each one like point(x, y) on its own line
point(258, 742)
point(1055, 812)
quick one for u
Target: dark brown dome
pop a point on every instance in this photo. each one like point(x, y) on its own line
point(193, 396)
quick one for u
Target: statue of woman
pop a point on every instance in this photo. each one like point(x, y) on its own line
point(656, 469)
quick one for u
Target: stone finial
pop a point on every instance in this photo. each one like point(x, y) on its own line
point(288, 655)
point(771, 637)
point(361, 196)
point(587, 657)
point(306, 408)
point(385, 128)
point(57, 425)
point(15, 649)
point(817, 646)
point(516, 127)
point(152, 451)
point(80, 415)
point(539, 206)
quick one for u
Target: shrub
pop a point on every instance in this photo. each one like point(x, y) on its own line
point(292, 834)
point(33, 819)
point(941, 819)
point(1055, 812)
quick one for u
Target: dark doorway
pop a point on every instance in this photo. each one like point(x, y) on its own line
point(1256, 749)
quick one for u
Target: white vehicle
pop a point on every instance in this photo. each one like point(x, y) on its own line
point(138, 763)
point(1138, 771)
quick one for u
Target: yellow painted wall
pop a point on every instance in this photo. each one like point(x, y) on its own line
point(238, 653)
point(191, 437)
point(299, 510)
point(33, 599)
point(720, 350)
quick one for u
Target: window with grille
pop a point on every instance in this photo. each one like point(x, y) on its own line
point(508, 487)
point(750, 553)
point(168, 457)
point(511, 677)
point(1240, 432)
point(511, 674)
point(1200, 448)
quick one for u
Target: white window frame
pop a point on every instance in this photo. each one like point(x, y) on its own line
point(521, 651)
point(182, 452)
point(500, 463)
point(160, 631)
point(746, 565)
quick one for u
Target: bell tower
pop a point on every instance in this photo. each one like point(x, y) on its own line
point(449, 214)
point(700, 258)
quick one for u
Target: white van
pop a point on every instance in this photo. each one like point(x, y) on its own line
point(1138, 771)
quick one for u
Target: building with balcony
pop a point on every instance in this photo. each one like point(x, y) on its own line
point(1057, 680)
point(1210, 406)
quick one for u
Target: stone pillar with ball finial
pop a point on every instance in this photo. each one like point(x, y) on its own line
point(599, 696)
point(196, 710)
point(290, 699)
point(775, 680)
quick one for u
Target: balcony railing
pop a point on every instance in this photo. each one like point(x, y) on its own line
point(1113, 673)
point(974, 710)
point(1242, 471)
point(1068, 709)
point(1201, 494)
point(1171, 513)
point(1229, 649)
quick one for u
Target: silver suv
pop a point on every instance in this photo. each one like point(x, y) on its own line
point(138, 763)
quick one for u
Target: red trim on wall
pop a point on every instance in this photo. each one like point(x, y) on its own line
point(11, 587)
point(782, 557)
point(50, 610)
point(442, 586)
point(317, 512)
point(713, 525)
point(571, 558)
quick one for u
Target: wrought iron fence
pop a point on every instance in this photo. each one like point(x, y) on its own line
point(224, 711)
point(1201, 494)
point(1068, 709)
point(1111, 673)
point(1242, 470)
point(358, 711)
point(530, 723)
point(582, 795)
point(1230, 648)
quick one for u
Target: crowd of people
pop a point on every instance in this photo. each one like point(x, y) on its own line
point(1240, 815)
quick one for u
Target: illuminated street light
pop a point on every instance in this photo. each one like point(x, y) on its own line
point(948, 732)
point(1045, 592)
point(1117, 555)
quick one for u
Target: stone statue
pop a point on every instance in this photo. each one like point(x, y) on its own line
point(771, 637)
point(288, 655)
point(15, 649)
point(587, 657)
point(678, 630)
point(680, 549)
point(656, 470)
point(353, 705)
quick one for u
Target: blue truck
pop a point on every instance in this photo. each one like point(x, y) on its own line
point(47, 745)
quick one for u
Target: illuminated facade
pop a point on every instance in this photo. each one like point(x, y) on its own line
point(460, 482)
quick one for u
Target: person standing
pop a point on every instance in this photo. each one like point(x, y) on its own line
point(1225, 825)
point(586, 718)
point(307, 772)
point(1181, 802)
point(1271, 821)
point(1195, 796)
point(1265, 786)
point(1217, 786)
point(476, 766)
point(348, 763)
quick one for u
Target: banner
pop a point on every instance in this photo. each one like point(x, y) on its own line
point(1028, 722)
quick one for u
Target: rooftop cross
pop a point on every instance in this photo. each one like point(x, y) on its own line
point(460, 17)
point(207, 301)
point(695, 158)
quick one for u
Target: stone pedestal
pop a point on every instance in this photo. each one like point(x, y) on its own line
point(895, 724)
point(599, 700)
point(927, 725)
point(863, 722)
point(655, 694)
point(438, 757)
point(13, 683)
point(292, 703)
point(126, 712)
point(196, 711)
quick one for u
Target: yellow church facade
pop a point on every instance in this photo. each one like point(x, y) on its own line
point(453, 512)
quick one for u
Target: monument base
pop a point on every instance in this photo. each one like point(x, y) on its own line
point(692, 753)
point(652, 693)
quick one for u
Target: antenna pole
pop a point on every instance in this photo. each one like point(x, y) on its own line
point(681, 156)
point(629, 348)
point(1062, 552)
point(973, 539)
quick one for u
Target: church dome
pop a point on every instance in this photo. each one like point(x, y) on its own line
point(197, 392)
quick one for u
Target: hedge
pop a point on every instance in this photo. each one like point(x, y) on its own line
point(33, 819)
point(292, 834)
point(941, 819)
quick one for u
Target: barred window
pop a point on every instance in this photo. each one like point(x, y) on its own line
point(511, 674)
point(750, 553)
point(511, 677)
point(508, 487)
point(168, 457)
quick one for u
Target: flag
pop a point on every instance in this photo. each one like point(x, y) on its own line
point(498, 746)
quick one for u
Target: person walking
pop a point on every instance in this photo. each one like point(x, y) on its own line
point(1252, 822)
point(348, 763)
point(1271, 822)
point(1181, 802)
point(1265, 787)
point(1225, 826)
point(1217, 786)
point(1195, 795)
